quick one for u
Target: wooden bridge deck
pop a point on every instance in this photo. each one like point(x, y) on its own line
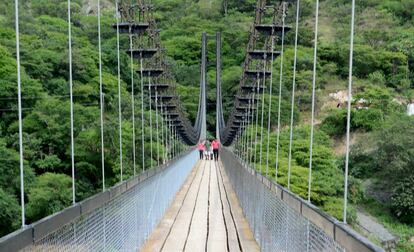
point(205, 216)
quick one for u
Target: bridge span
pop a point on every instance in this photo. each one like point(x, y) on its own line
point(190, 205)
point(178, 203)
point(205, 216)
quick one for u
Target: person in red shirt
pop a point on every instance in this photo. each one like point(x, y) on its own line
point(201, 148)
point(216, 146)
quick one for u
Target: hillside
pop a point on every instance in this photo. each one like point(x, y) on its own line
point(382, 155)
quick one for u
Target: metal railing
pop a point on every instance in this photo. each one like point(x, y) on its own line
point(281, 221)
point(119, 219)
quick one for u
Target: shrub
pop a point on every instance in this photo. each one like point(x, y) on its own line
point(367, 119)
point(334, 206)
point(9, 213)
point(391, 161)
point(335, 123)
point(377, 78)
point(402, 201)
point(361, 163)
point(50, 193)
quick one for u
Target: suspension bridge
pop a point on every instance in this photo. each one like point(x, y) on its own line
point(181, 203)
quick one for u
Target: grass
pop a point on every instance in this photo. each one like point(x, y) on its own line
point(382, 213)
point(371, 237)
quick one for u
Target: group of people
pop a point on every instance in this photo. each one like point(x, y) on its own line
point(209, 150)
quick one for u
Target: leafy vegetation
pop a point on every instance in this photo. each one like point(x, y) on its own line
point(46, 109)
point(50, 193)
point(383, 85)
point(9, 213)
point(390, 159)
point(382, 212)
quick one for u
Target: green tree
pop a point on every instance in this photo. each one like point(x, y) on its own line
point(9, 213)
point(50, 193)
point(10, 172)
point(388, 154)
point(402, 201)
point(8, 88)
point(396, 148)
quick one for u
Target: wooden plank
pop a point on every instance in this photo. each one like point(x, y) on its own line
point(247, 241)
point(196, 240)
point(179, 231)
point(160, 234)
point(232, 235)
point(217, 235)
point(205, 215)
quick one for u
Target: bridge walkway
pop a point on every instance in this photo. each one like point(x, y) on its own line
point(204, 216)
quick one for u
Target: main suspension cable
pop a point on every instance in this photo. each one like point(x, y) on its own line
point(171, 131)
point(142, 115)
point(270, 101)
point(157, 125)
point(247, 137)
point(236, 140)
point(101, 96)
point(293, 85)
point(244, 139)
point(252, 133)
point(150, 116)
point(249, 134)
point(263, 102)
point(163, 138)
point(241, 137)
point(313, 99)
point(72, 141)
point(282, 55)
point(242, 134)
point(168, 137)
point(19, 101)
point(119, 92)
point(174, 141)
point(348, 118)
point(257, 122)
point(132, 102)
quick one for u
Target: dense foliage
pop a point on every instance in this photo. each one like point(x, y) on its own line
point(383, 85)
point(390, 158)
point(45, 96)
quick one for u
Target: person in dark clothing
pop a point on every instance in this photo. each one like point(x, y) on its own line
point(201, 147)
point(216, 146)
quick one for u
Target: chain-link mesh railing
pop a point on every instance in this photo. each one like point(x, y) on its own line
point(123, 223)
point(276, 226)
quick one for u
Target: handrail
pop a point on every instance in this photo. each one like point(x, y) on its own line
point(341, 233)
point(31, 233)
